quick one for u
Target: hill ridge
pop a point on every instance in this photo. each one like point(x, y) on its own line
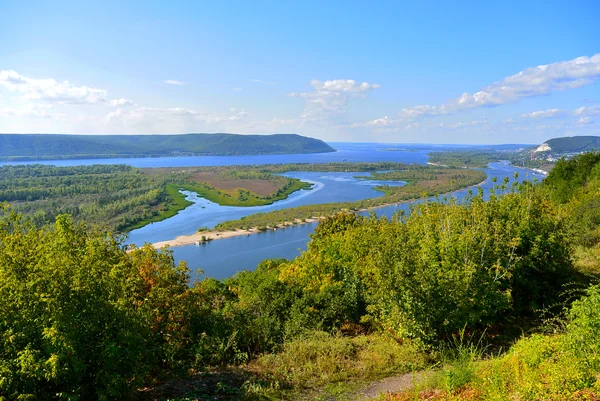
point(59, 146)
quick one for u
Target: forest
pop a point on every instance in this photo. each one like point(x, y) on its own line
point(20, 147)
point(496, 299)
point(574, 144)
point(120, 198)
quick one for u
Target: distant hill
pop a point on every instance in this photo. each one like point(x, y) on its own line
point(574, 144)
point(51, 146)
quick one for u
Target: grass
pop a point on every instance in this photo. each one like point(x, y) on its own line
point(326, 363)
point(244, 198)
point(562, 366)
point(319, 366)
point(222, 198)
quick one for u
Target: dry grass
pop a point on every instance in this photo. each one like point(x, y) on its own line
point(260, 187)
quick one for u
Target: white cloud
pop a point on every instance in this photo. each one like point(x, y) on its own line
point(584, 120)
point(423, 110)
point(343, 85)
point(587, 111)
point(379, 122)
point(173, 82)
point(549, 113)
point(121, 102)
point(238, 89)
point(50, 89)
point(468, 124)
point(260, 81)
point(531, 82)
point(330, 98)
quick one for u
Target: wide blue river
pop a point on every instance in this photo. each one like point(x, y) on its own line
point(224, 258)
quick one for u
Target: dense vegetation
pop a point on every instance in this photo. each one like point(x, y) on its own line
point(47, 146)
point(120, 197)
point(481, 158)
point(562, 360)
point(475, 158)
point(114, 196)
point(574, 144)
point(83, 318)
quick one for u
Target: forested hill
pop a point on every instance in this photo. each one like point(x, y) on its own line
point(574, 144)
point(50, 146)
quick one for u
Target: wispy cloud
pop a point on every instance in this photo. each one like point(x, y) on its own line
point(549, 113)
point(173, 82)
point(260, 81)
point(587, 111)
point(531, 82)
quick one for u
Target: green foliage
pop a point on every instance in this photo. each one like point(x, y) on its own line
point(320, 358)
point(40, 146)
point(538, 367)
point(458, 359)
point(113, 196)
point(441, 267)
point(569, 175)
point(575, 144)
point(244, 197)
point(82, 319)
point(469, 158)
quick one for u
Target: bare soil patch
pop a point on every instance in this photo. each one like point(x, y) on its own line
point(260, 187)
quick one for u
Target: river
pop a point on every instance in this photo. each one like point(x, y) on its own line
point(223, 258)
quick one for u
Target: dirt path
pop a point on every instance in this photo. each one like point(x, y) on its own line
point(392, 384)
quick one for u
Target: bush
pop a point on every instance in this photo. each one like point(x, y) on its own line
point(82, 319)
point(439, 268)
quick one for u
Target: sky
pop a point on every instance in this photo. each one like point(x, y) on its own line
point(456, 72)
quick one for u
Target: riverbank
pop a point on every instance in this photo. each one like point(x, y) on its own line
point(203, 237)
point(206, 236)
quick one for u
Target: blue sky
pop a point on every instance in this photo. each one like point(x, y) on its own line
point(401, 72)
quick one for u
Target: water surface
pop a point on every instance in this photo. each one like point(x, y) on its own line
point(223, 258)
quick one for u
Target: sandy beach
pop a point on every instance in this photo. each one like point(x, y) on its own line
point(217, 235)
point(214, 235)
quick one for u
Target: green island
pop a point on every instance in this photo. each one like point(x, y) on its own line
point(22, 147)
point(422, 181)
point(479, 299)
point(474, 158)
